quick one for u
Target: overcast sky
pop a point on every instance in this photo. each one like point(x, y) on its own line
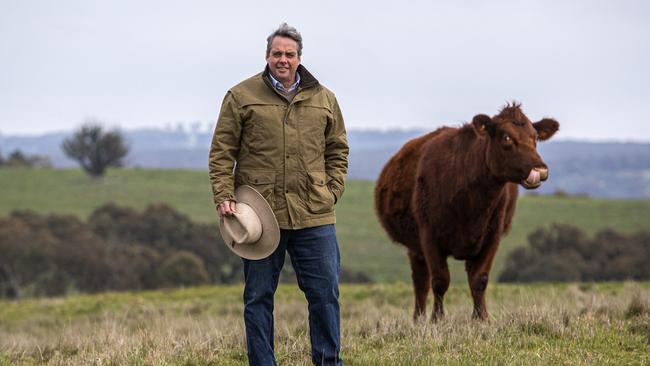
point(391, 64)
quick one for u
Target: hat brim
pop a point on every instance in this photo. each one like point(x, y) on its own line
point(270, 237)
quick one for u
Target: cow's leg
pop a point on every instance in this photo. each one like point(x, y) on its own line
point(421, 282)
point(440, 285)
point(478, 270)
point(439, 272)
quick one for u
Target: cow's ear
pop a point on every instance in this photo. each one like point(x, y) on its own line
point(483, 124)
point(546, 128)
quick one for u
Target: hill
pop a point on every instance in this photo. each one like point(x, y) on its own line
point(604, 324)
point(364, 245)
point(597, 169)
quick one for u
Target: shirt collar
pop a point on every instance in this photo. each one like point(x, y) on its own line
point(278, 85)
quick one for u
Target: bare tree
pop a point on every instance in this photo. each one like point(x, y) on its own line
point(96, 150)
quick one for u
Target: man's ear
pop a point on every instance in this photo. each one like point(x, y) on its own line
point(546, 128)
point(483, 125)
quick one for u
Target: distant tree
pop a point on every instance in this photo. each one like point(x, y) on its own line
point(19, 159)
point(95, 149)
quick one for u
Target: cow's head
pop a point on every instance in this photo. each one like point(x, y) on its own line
point(512, 145)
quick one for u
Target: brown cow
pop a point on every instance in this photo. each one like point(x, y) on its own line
point(453, 192)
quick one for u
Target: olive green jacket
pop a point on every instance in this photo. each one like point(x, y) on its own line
point(294, 153)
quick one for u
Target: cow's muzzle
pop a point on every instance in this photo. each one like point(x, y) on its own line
point(535, 178)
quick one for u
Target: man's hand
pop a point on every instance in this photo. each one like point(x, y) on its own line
point(226, 208)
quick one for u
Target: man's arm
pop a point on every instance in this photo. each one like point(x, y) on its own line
point(224, 151)
point(336, 152)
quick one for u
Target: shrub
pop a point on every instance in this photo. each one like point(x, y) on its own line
point(183, 269)
point(564, 253)
point(118, 248)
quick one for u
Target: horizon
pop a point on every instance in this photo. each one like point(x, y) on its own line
point(186, 128)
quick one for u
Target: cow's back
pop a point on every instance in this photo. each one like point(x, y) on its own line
point(394, 191)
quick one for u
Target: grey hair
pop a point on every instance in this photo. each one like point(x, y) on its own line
point(285, 30)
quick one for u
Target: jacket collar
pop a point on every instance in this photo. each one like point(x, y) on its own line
point(307, 80)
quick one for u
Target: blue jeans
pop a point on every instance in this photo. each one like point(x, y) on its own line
point(315, 258)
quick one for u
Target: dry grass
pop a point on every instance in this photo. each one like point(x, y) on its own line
point(538, 324)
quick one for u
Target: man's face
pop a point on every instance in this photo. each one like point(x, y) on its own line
point(283, 59)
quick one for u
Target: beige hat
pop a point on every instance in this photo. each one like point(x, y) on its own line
point(252, 232)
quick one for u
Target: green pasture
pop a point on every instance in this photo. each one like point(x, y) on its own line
point(365, 247)
point(539, 324)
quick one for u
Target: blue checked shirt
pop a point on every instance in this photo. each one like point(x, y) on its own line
point(278, 85)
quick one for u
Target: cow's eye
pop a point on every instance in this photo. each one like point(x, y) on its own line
point(507, 138)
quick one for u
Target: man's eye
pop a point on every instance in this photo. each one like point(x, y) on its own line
point(277, 54)
point(290, 55)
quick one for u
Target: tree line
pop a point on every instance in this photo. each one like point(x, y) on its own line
point(117, 248)
point(18, 159)
point(564, 253)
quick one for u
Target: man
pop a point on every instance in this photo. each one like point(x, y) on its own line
point(282, 133)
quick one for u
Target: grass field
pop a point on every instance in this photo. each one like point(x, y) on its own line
point(364, 245)
point(603, 324)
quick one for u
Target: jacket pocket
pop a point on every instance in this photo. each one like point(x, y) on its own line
point(313, 126)
point(321, 199)
point(263, 181)
point(262, 131)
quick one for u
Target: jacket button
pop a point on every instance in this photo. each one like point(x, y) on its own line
point(287, 191)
